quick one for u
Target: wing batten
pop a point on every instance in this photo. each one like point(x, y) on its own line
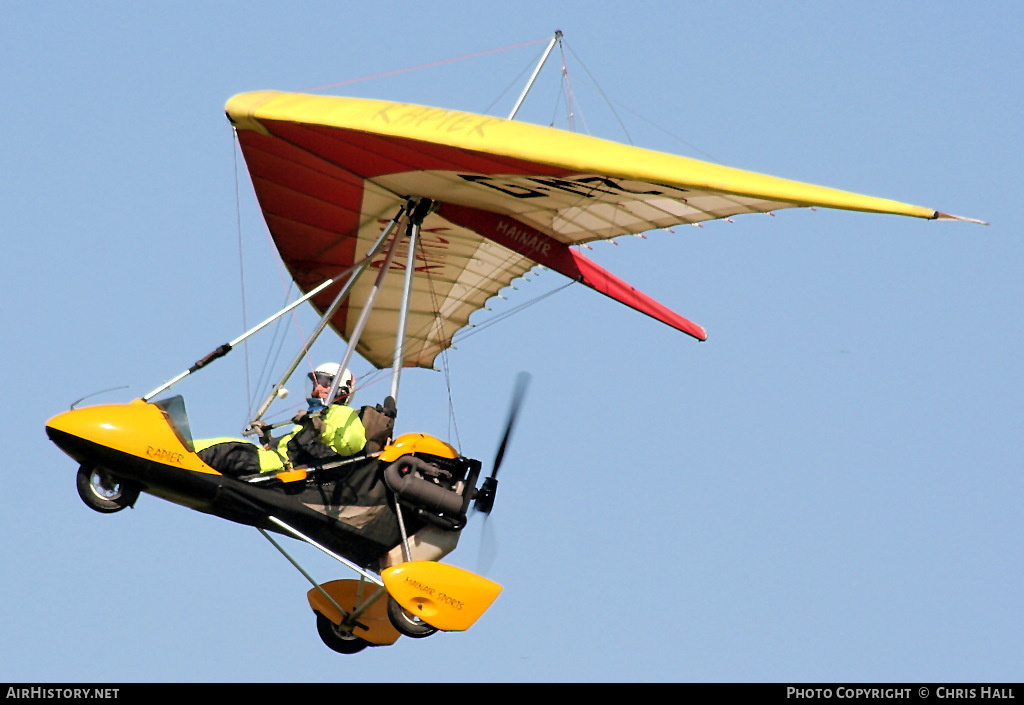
point(562, 259)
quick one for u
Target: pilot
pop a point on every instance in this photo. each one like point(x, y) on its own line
point(321, 434)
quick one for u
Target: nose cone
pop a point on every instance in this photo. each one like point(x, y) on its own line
point(110, 426)
point(104, 434)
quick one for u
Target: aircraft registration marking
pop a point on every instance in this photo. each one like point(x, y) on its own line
point(600, 187)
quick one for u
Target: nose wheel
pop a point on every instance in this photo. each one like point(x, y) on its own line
point(406, 622)
point(103, 492)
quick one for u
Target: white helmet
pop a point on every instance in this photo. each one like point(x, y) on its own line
point(329, 370)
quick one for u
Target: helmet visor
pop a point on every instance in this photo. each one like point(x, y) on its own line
point(322, 380)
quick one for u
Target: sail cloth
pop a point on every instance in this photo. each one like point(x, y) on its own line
point(330, 172)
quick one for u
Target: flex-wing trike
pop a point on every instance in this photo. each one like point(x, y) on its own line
point(493, 198)
point(389, 515)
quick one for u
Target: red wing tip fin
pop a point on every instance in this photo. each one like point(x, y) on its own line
point(947, 216)
point(591, 275)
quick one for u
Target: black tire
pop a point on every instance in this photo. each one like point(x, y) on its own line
point(336, 639)
point(103, 492)
point(406, 622)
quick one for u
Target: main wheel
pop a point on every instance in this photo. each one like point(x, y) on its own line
point(336, 639)
point(103, 492)
point(406, 622)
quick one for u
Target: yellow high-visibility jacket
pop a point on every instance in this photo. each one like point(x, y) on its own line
point(339, 431)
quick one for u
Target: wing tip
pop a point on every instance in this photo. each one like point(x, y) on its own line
point(949, 216)
point(698, 333)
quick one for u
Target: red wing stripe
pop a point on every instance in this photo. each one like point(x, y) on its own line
point(558, 256)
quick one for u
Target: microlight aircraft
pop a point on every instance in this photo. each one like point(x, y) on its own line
point(397, 222)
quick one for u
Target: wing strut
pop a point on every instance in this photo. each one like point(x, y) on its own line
point(415, 221)
point(543, 60)
point(254, 425)
point(416, 210)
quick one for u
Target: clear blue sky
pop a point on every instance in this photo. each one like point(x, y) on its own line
point(827, 490)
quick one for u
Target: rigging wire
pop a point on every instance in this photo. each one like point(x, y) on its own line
point(453, 426)
point(574, 110)
point(279, 338)
point(557, 106)
point(241, 259)
point(572, 106)
point(612, 104)
point(603, 95)
point(667, 132)
point(249, 383)
point(374, 376)
point(474, 329)
point(424, 66)
point(274, 350)
point(513, 82)
point(437, 323)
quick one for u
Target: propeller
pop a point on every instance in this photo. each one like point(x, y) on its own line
point(484, 501)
